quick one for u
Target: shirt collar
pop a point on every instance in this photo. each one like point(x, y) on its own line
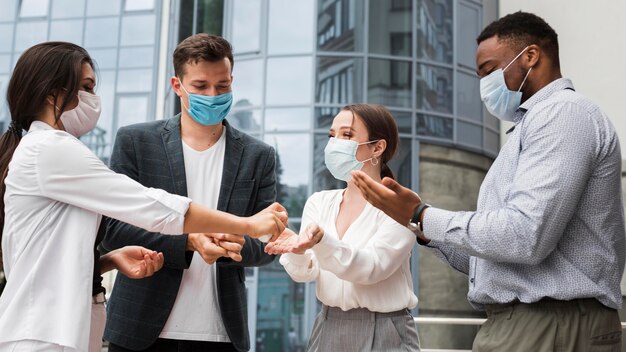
point(39, 126)
point(541, 95)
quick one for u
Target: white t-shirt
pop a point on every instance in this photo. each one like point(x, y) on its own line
point(56, 190)
point(196, 313)
point(368, 268)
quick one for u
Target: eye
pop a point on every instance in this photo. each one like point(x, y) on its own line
point(88, 89)
point(199, 87)
point(222, 87)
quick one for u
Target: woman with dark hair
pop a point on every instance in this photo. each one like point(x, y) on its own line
point(54, 192)
point(358, 256)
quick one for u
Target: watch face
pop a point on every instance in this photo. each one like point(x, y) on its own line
point(413, 227)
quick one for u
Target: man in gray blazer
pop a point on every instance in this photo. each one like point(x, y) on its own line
point(197, 301)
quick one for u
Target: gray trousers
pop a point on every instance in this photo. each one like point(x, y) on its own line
point(581, 325)
point(361, 330)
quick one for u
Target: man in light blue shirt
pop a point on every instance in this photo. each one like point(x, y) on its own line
point(544, 251)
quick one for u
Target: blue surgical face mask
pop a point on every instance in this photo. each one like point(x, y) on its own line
point(340, 157)
point(499, 100)
point(207, 110)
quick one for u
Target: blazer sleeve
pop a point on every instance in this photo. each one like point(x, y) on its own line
point(120, 234)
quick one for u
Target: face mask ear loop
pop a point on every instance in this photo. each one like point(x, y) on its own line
point(512, 61)
point(183, 87)
point(524, 81)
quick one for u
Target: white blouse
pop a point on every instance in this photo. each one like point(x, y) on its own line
point(368, 268)
point(56, 190)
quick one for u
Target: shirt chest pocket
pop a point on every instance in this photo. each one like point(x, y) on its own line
point(242, 198)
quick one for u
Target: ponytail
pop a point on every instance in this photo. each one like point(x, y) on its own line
point(8, 143)
point(385, 171)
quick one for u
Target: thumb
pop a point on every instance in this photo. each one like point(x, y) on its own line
point(392, 184)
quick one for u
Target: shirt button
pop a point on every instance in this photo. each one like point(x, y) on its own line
point(472, 280)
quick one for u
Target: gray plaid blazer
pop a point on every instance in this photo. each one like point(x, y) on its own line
point(151, 153)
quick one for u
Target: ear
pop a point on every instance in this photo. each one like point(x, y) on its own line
point(380, 147)
point(175, 83)
point(532, 55)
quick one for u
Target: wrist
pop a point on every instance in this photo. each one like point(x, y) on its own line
point(107, 261)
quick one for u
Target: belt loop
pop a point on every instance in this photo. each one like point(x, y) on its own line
point(581, 306)
point(324, 311)
point(511, 309)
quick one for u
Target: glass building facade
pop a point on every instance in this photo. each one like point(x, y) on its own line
point(296, 64)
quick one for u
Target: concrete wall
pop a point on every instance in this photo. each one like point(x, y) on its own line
point(449, 179)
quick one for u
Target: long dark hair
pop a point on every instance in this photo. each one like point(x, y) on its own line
point(44, 70)
point(380, 124)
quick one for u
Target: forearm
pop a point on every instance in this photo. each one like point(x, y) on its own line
point(200, 219)
point(106, 261)
point(300, 267)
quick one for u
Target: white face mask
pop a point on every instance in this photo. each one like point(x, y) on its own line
point(340, 157)
point(84, 117)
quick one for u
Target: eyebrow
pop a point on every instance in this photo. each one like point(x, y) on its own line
point(343, 128)
point(482, 65)
point(205, 81)
point(90, 79)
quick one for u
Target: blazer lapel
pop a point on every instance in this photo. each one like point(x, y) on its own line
point(232, 159)
point(174, 153)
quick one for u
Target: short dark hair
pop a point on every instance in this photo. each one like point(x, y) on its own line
point(201, 46)
point(521, 29)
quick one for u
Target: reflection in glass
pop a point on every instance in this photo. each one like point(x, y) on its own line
point(390, 27)
point(209, 17)
point(389, 82)
point(468, 28)
point(324, 117)
point(67, 31)
point(8, 10)
point(6, 37)
point(290, 29)
point(137, 57)
point(339, 80)
point(29, 33)
point(68, 8)
point(468, 100)
point(248, 83)
point(138, 5)
point(400, 165)
point(103, 8)
point(292, 170)
point(322, 178)
point(105, 88)
point(289, 81)
point(404, 120)
point(469, 134)
point(134, 81)
point(434, 126)
point(104, 58)
point(434, 30)
point(97, 37)
point(288, 119)
point(138, 30)
point(246, 26)
point(434, 88)
point(248, 121)
point(340, 25)
point(34, 8)
point(5, 66)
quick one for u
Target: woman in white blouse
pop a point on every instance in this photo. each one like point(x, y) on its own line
point(54, 190)
point(358, 256)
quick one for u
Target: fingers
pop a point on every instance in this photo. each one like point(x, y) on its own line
point(229, 237)
point(236, 256)
point(231, 246)
point(277, 207)
point(282, 216)
point(392, 184)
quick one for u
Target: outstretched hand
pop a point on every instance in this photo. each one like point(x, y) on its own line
point(136, 262)
point(290, 242)
point(398, 202)
point(269, 221)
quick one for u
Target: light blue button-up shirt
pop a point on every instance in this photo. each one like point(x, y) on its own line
point(550, 218)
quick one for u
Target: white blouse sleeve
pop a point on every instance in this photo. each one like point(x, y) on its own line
point(376, 261)
point(304, 267)
point(70, 173)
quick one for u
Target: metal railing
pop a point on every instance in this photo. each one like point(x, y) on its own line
point(456, 321)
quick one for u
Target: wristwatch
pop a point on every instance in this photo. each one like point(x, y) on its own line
point(415, 225)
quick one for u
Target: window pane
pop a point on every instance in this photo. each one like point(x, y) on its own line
point(434, 126)
point(138, 5)
point(34, 8)
point(322, 178)
point(490, 120)
point(134, 81)
point(6, 37)
point(96, 37)
point(138, 30)
point(67, 31)
point(389, 82)
point(103, 8)
point(401, 164)
point(287, 119)
point(104, 58)
point(434, 88)
point(210, 17)
point(292, 169)
point(468, 28)
point(468, 100)
point(339, 80)
point(340, 25)
point(390, 27)
point(285, 16)
point(469, 134)
point(324, 117)
point(68, 8)
point(5, 65)
point(289, 81)
point(29, 33)
point(105, 88)
point(4, 107)
point(248, 83)
point(492, 141)
point(404, 120)
point(8, 10)
point(246, 26)
point(434, 30)
point(137, 57)
point(131, 110)
point(248, 121)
